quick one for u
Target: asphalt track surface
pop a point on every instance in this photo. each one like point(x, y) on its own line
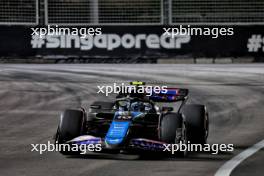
point(32, 97)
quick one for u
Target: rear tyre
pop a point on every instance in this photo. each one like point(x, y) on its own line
point(173, 131)
point(72, 124)
point(197, 123)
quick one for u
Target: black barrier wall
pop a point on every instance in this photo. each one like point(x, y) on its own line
point(133, 41)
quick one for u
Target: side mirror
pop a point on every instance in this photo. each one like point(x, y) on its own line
point(95, 106)
point(167, 109)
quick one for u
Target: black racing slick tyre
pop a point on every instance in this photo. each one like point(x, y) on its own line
point(72, 124)
point(173, 130)
point(197, 123)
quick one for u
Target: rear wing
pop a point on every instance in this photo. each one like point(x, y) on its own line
point(171, 95)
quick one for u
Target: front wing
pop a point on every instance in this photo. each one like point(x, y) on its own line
point(134, 143)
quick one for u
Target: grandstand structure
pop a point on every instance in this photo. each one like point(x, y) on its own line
point(131, 12)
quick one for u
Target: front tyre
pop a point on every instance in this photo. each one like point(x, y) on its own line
point(197, 123)
point(72, 124)
point(173, 131)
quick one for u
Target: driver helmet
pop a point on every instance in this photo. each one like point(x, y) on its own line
point(123, 105)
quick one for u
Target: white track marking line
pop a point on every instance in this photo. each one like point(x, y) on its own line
point(230, 165)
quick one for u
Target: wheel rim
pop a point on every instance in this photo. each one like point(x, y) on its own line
point(184, 139)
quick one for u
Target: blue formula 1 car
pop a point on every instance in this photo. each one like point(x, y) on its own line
point(136, 122)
